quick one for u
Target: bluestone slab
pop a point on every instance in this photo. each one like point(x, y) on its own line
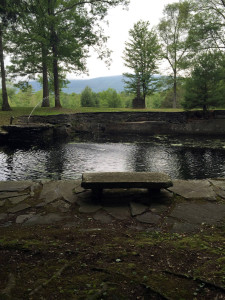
point(197, 213)
point(18, 208)
point(14, 186)
point(110, 180)
point(193, 189)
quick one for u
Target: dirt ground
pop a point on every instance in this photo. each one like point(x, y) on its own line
point(110, 261)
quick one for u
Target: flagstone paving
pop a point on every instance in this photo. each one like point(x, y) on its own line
point(194, 189)
point(184, 207)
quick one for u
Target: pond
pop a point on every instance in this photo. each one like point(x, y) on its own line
point(180, 157)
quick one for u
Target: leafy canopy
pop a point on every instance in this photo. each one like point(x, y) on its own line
point(205, 87)
point(141, 55)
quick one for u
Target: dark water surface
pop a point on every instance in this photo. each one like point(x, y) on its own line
point(183, 158)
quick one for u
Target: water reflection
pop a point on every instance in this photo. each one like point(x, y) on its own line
point(56, 161)
point(180, 158)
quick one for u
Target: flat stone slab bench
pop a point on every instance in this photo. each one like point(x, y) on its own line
point(110, 180)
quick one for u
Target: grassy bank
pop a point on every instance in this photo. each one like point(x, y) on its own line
point(25, 111)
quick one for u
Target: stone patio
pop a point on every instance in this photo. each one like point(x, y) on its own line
point(185, 207)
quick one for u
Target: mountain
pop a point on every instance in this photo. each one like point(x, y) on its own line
point(96, 84)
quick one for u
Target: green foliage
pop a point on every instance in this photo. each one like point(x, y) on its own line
point(11, 92)
point(209, 24)
point(89, 98)
point(63, 82)
point(126, 99)
point(140, 55)
point(26, 98)
point(205, 87)
point(154, 101)
point(57, 36)
point(178, 45)
point(110, 98)
point(70, 100)
point(174, 31)
point(167, 97)
point(8, 16)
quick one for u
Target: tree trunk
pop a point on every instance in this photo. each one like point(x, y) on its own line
point(56, 77)
point(144, 93)
point(204, 107)
point(144, 104)
point(175, 90)
point(138, 101)
point(45, 101)
point(5, 103)
point(55, 56)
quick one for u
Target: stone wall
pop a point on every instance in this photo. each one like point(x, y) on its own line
point(107, 117)
point(136, 122)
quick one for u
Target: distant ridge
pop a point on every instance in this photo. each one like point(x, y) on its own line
point(96, 84)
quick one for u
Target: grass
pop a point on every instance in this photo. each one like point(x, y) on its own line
point(44, 111)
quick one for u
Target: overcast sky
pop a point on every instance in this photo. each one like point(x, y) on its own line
point(120, 22)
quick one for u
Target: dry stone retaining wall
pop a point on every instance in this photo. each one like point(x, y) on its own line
point(136, 123)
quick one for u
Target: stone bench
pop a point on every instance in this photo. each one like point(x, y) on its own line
point(110, 180)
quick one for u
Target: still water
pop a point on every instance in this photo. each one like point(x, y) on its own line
point(183, 158)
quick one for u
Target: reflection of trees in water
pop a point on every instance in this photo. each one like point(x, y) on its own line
point(7, 163)
point(55, 162)
point(209, 161)
point(33, 163)
point(62, 160)
point(191, 163)
point(202, 163)
point(186, 159)
point(22, 165)
point(6, 166)
point(154, 158)
point(137, 158)
point(178, 162)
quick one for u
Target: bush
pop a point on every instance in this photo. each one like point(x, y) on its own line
point(110, 98)
point(88, 98)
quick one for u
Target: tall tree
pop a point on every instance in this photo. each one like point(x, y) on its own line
point(30, 47)
point(5, 103)
point(74, 28)
point(7, 15)
point(61, 33)
point(205, 87)
point(209, 26)
point(141, 55)
point(88, 98)
point(177, 43)
point(42, 38)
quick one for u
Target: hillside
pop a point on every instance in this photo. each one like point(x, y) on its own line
point(96, 84)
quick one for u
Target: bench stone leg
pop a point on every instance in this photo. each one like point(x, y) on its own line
point(97, 194)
